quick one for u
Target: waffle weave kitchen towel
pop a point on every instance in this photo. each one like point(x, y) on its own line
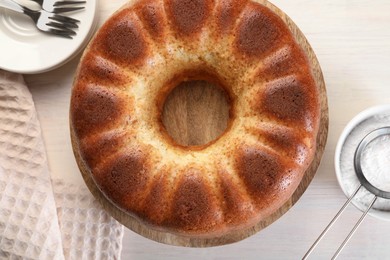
point(40, 217)
point(28, 217)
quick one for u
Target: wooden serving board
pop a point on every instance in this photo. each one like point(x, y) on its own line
point(201, 102)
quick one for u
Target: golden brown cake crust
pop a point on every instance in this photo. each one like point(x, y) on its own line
point(125, 75)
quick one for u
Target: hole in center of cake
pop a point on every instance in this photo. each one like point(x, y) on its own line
point(196, 113)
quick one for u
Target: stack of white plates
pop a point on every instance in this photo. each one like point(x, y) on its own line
point(25, 49)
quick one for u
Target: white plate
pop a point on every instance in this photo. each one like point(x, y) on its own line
point(24, 49)
point(369, 120)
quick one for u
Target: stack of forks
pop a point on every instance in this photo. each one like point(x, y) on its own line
point(48, 19)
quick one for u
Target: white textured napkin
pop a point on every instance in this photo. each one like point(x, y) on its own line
point(88, 232)
point(42, 218)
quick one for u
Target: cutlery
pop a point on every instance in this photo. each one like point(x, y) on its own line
point(50, 23)
point(58, 6)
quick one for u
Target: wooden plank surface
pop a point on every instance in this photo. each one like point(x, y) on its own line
point(352, 42)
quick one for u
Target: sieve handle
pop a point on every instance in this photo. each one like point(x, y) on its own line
point(331, 224)
point(354, 229)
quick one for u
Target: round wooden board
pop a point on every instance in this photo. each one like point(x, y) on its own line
point(218, 106)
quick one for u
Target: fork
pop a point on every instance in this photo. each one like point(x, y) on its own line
point(47, 22)
point(59, 6)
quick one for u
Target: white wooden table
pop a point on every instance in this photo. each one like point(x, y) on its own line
point(352, 42)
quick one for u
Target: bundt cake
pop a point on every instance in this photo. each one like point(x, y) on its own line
point(134, 61)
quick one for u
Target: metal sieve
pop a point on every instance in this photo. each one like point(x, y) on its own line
point(363, 183)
